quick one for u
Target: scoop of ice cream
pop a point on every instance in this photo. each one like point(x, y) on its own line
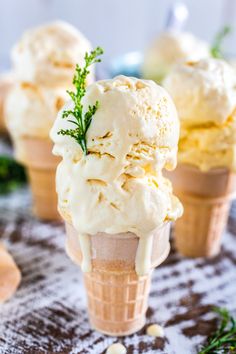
point(136, 128)
point(30, 109)
point(48, 54)
point(203, 91)
point(118, 186)
point(205, 96)
point(138, 205)
point(169, 48)
point(209, 146)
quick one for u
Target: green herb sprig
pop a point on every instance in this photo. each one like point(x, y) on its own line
point(81, 120)
point(224, 339)
point(12, 175)
point(216, 48)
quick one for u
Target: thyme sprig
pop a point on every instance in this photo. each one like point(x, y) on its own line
point(12, 175)
point(216, 48)
point(224, 339)
point(81, 120)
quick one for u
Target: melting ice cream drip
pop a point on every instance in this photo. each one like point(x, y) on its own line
point(85, 246)
point(142, 260)
point(143, 255)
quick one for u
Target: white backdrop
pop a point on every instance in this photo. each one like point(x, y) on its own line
point(117, 25)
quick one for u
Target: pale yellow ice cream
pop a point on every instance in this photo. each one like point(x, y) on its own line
point(210, 146)
point(48, 54)
point(205, 96)
point(118, 187)
point(44, 62)
point(31, 109)
point(169, 48)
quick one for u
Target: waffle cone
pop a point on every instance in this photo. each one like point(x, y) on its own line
point(36, 155)
point(198, 232)
point(117, 296)
point(206, 197)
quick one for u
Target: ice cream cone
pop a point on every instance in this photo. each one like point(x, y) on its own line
point(117, 296)
point(206, 197)
point(36, 155)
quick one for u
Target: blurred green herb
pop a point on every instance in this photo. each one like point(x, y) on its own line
point(224, 339)
point(12, 175)
point(216, 48)
point(82, 120)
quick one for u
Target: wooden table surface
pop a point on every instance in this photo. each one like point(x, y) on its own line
point(48, 312)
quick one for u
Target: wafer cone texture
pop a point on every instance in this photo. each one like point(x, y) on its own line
point(117, 296)
point(36, 155)
point(206, 197)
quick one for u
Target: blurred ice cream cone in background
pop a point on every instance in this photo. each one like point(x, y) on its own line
point(169, 48)
point(116, 204)
point(205, 96)
point(6, 83)
point(44, 61)
point(36, 155)
point(206, 197)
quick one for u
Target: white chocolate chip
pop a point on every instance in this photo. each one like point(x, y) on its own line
point(116, 348)
point(155, 330)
